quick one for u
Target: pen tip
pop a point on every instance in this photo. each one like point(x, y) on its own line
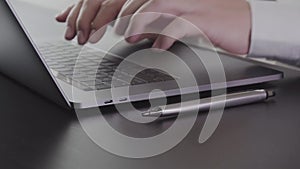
point(271, 93)
point(146, 114)
point(151, 114)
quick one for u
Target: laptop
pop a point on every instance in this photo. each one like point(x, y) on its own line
point(34, 54)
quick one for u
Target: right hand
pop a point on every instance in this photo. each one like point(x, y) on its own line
point(88, 16)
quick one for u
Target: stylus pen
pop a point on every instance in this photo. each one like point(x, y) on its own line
point(233, 99)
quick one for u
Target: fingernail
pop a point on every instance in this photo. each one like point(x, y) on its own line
point(133, 39)
point(92, 38)
point(128, 35)
point(69, 33)
point(96, 35)
point(59, 14)
point(156, 45)
point(80, 37)
point(92, 32)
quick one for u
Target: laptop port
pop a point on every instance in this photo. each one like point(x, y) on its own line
point(123, 99)
point(108, 101)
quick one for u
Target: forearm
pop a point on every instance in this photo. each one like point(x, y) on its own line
point(276, 31)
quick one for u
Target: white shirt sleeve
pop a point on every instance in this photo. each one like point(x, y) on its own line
point(276, 30)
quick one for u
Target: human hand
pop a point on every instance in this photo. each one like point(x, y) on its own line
point(227, 23)
point(87, 16)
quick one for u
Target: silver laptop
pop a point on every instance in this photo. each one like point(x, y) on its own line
point(34, 53)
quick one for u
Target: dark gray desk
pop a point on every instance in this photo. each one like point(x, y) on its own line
point(37, 134)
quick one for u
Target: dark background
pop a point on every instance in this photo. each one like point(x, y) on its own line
point(37, 134)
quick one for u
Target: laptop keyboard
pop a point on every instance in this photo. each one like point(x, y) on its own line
point(95, 71)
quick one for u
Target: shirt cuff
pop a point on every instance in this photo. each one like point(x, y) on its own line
point(275, 31)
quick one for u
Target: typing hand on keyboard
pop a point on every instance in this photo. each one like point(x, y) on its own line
point(87, 16)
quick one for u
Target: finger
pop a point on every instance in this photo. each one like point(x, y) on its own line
point(179, 28)
point(150, 36)
point(129, 8)
point(71, 21)
point(107, 13)
point(168, 36)
point(62, 17)
point(87, 14)
point(145, 15)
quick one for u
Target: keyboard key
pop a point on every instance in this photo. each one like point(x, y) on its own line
point(90, 69)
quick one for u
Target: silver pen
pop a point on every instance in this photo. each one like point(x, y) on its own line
point(233, 99)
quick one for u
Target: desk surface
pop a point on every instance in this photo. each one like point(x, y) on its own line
point(37, 134)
